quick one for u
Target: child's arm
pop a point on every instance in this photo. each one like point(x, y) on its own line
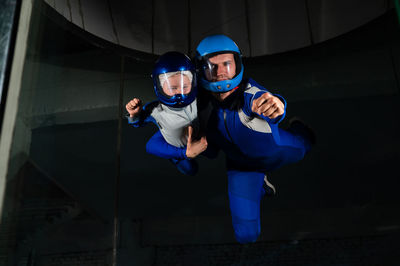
point(139, 115)
point(159, 147)
point(134, 107)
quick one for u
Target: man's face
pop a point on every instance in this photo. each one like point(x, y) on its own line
point(221, 67)
point(177, 84)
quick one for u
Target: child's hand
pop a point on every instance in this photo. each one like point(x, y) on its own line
point(194, 148)
point(134, 107)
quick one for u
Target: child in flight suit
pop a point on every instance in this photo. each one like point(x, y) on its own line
point(175, 112)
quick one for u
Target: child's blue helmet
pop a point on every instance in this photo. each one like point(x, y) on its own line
point(212, 46)
point(174, 79)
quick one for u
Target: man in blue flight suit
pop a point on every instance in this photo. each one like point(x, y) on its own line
point(244, 124)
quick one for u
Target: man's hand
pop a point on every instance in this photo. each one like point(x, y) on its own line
point(268, 105)
point(194, 148)
point(134, 107)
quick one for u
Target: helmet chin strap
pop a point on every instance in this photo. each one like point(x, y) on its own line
point(235, 88)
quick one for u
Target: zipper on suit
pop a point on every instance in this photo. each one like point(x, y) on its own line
point(226, 127)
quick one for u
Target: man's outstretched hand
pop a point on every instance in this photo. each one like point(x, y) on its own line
point(268, 105)
point(134, 107)
point(194, 148)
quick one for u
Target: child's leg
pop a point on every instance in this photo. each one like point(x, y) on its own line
point(187, 167)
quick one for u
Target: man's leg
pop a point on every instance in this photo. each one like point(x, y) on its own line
point(291, 147)
point(297, 135)
point(245, 191)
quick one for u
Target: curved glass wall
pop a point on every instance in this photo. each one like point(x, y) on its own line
point(81, 189)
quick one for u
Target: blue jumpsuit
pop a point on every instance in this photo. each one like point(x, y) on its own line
point(253, 145)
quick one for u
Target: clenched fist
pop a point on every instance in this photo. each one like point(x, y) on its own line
point(268, 105)
point(134, 107)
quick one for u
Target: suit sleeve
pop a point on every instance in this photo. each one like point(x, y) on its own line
point(144, 116)
point(253, 92)
point(159, 147)
point(269, 120)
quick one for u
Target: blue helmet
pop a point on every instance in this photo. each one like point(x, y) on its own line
point(174, 79)
point(212, 46)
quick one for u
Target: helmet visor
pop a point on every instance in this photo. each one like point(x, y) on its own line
point(219, 67)
point(176, 83)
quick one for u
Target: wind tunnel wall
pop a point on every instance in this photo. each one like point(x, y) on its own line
point(260, 27)
point(346, 89)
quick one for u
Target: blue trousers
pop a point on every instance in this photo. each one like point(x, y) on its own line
point(245, 190)
point(245, 185)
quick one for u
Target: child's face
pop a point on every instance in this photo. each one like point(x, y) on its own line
point(177, 84)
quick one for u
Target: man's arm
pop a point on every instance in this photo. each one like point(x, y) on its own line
point(268, 105)
point(261, 102)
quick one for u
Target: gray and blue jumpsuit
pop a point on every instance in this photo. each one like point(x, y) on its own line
point(170, 140)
